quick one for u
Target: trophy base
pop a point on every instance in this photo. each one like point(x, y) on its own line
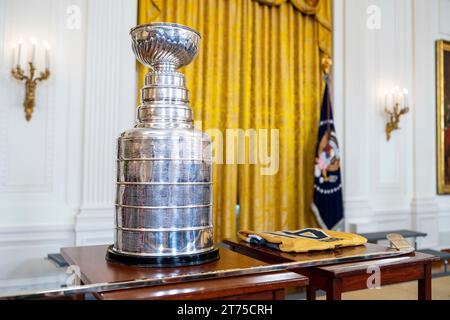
point(162, 261)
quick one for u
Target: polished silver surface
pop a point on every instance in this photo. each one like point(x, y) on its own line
point(155, 171)
point(160, 195)
point(164, 165)
point(174, 217)
point(170, 242)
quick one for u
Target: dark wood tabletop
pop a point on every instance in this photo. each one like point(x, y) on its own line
point(95, 269)
point(324, 257)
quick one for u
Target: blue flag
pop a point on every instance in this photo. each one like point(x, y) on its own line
point(327, 205)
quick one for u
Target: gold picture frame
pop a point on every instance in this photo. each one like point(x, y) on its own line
point(443, 116)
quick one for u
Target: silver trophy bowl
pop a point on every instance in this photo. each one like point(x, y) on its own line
point(164, 165)
point(164, 46)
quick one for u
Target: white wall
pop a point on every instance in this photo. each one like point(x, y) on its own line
point(57, 171)
point(390, 185)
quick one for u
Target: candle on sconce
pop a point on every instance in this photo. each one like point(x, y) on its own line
point(406, 92)
point(14, 55)
point(47, 55)
point(19, 53)
point(386, 98)
point(401, 100)
point(397, 97)
point(33, 50)
point(394, 99)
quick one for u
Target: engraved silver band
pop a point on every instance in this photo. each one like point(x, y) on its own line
point(165, 159)
point(164, 207)
point(165, 229)
point(165, 183)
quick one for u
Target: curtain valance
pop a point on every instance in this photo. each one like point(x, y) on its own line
point(305, 6)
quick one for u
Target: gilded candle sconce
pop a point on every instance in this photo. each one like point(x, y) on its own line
point(30, 78)
point(395, 106)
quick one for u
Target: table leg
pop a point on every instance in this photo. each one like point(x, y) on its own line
point(80, 296)
point(334, 290)
point(279, 294)
point(311, 293)
point(425, 283)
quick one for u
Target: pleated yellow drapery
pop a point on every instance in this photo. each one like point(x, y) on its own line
point(259, 67)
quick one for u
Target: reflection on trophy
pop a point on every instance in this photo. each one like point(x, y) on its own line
point(164, 166)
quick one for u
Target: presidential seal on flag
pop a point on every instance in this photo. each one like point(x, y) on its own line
point(328, 160)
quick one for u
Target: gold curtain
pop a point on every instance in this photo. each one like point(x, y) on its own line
point(258, 67)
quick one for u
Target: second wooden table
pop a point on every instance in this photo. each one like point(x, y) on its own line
point(339, 278)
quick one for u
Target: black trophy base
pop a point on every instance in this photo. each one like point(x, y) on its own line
point(162, 261)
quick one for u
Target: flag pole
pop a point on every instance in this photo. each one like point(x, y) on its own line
point(324, 191)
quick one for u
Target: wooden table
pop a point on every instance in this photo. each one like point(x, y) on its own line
point(271, 286)
point(336, 279)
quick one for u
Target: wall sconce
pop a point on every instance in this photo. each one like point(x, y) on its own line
point(30, 78)
point(395, 105)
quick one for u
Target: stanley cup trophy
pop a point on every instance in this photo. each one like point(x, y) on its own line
point(164, 166)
